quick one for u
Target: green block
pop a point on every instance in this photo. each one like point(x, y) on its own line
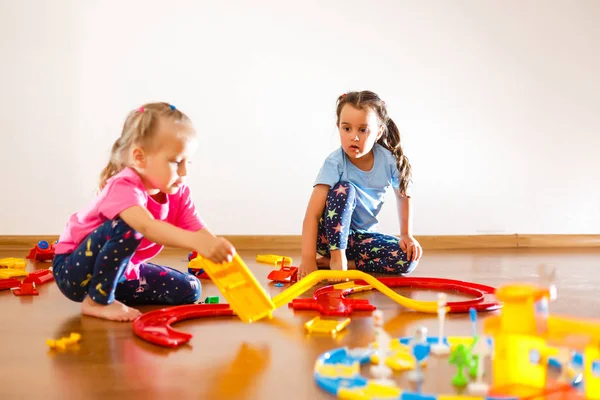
point(212, 300)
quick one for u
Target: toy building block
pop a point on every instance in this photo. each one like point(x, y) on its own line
point(14, 263)
point(441, 348)
point(6, 273)
point(26, 289)
point(9, 283)
point(462, 359)
point(381, 371)
point(39, 277)
point(273, 259)
point(212, 300)
point(329, 326)
point(43, 251)
point(284, 275)
point(480, 350)
point(62, 343)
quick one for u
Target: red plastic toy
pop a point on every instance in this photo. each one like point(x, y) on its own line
point(9, 283)
point(42, 251)
point(329, 301)
point(284, 274)
point(26, 289)
point(39, 277)
point(155, 326)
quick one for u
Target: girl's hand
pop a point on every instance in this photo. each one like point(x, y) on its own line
point(411, 247)
point(306, 267)
point(220, 251)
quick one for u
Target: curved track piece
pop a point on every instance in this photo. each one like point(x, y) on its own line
point(484, 297)
point(315, 277)
point(330, 301)
point(155, 326)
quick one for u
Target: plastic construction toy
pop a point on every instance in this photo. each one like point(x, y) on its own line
point(13, 263)
point(43, 251)
point(285, 274)
point(9, 283)
point(6, 273)
point(28, 286)
point(212, 300)
point(193, 267)
point(155, 326)
point(274, 259)
point(62, 343)
point(331, 300)
point(327, 326)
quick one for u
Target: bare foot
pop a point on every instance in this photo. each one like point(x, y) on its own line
point(338, 263)
point(323, 262)
point(306, 268)
point(116, 311)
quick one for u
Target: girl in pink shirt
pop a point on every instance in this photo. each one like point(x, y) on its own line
point(102, 257)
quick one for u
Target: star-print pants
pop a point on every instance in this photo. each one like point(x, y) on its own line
point(96, 268)
point(371, 251)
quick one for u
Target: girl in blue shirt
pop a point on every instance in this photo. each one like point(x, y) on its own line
point(341, 218)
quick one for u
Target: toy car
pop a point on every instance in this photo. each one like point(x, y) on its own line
point(43, 251)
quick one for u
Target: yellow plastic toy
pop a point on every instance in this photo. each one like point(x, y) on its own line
point(329, 326)
point(12, 262)
point(62, 343)
point(273, 259)
point(372, 390)
point(251, 303)
point(6, 273)
point(315, 277)
point(400, 358)
point(525, 335)
point(239, 287)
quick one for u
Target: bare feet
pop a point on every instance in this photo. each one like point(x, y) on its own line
point(306, 268)
point(115, 311)
point(338, 263)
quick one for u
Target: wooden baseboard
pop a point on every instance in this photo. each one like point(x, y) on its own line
point(293, 242)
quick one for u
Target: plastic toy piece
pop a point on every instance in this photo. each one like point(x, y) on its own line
point(328, 326)
point(480, 350)
point(483, 297)
point(14, 263)
point(420, 351)
point(284, 275)
point(39, 277)
point(26, 289)
point(315, 277)
point(381, 371)
point(62, 343)
point(6, 273)
point(330, 301)
point(462, 359)
point(473, 317)
point(212, 300)
point(240, 288)
point(155, 326)
point(440, 348)
point(9, 283)
point(273, 259)
point(43, 251)
point(194, 268)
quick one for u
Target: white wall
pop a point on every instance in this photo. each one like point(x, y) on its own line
point(498, 104)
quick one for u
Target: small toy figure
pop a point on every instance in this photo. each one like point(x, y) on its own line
point(381, 371)
point(420, 350)
point(462, 359)
point(480, 350)
point(441, 348)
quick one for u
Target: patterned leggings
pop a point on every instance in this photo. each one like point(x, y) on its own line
point(372, 251)
point(96, 268)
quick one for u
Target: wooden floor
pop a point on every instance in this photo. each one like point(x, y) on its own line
point(228, 359)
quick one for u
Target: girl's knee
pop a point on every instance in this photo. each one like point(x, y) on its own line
point(195, 292)
point(409, 267)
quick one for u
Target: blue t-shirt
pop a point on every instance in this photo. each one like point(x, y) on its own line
point(371, 186)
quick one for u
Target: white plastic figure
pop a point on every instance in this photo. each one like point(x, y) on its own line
point(420, 350)
point(481, 350)
point(381, 371)
point(440, 348)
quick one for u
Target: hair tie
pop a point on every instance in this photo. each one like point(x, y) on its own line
point(141, 109)
point(344, 95)
point(171, 106)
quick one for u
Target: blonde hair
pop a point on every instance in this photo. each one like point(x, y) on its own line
point(139, 129)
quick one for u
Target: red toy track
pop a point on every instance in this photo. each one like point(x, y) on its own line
point(329, 301)
point(155, 326)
